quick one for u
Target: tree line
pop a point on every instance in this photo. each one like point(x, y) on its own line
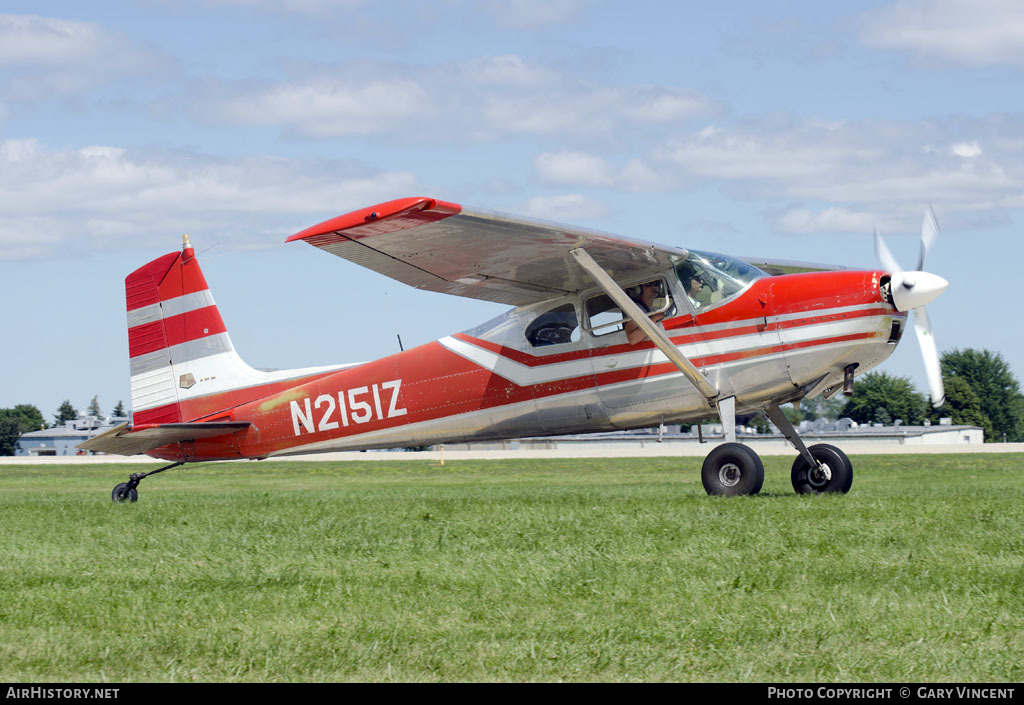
point(981, 391)
point(24, 418)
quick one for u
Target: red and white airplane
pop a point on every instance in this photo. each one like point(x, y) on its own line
point(607, 333)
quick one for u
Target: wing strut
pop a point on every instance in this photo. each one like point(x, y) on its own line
point(726, 407)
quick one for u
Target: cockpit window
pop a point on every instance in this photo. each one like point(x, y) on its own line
point(554, 327)
point(708, 277)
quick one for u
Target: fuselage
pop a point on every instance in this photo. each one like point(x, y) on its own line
point(778, 339)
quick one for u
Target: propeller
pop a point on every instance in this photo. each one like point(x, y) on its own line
point(910, 291)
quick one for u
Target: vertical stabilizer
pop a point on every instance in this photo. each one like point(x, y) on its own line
point(173, 326)
point(183, 365)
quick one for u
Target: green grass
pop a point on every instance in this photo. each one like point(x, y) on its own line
point(518, 570)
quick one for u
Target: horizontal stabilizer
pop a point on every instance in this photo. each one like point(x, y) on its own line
point(126, 440)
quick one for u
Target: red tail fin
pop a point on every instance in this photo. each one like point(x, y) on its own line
point(172, 323)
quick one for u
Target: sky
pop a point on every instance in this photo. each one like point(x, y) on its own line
point(786, 129)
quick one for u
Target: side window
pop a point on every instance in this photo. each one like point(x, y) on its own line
point(554, 327)
point(604, 315)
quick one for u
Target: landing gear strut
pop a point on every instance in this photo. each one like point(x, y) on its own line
point(127, 492)
point(820, 468)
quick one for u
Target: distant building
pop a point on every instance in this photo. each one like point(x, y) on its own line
point(61, 440)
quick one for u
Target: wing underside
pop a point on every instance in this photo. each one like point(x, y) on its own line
point(439, 246)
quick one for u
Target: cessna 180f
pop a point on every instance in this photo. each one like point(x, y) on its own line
point(607, 333)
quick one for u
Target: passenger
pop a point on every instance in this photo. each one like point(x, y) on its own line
point(648, 292)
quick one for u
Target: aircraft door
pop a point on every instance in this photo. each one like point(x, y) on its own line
point(636, 383)
point(564, 387)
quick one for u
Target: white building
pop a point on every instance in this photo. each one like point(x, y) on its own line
point(61, 440)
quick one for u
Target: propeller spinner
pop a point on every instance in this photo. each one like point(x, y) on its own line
point(911, 290)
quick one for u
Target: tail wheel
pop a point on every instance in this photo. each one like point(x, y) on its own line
point(732, 469)
point(834, 475)
point(125, 493)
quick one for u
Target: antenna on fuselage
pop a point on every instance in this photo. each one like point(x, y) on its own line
point(400, 348)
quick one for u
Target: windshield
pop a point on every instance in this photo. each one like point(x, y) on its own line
point(708, 277)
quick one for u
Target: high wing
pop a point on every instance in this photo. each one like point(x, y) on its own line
point(125, 440)
point(439, 246)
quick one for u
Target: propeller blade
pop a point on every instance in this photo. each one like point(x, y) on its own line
point(930, 353)
point(929, 231)
point(888, 262)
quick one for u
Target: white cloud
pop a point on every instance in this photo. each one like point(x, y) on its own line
point(101, 196)
point(845, 175)
point(483, 98)
point(326, 108)
point(29, 39)
point(568, 168)
point(592, 110)
point(578, 168)
point(804, 221)
point(971, 32)
point(44, 56)
point(533, 14)
point(505, 70)
point(967, 150)
point(565, 208)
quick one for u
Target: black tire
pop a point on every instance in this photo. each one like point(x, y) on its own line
point(124, 493)
point(732, 469)
point(807, 481)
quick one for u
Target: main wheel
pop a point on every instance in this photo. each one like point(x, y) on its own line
point(834, 475)
point(731, 469)
point(124, 493)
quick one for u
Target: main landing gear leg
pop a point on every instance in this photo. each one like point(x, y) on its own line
point(731, 468)
point(127, 492)
point(820, 468)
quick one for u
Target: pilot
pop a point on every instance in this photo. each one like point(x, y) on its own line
point(694, 287)
point(693, 281)
point(648, 292)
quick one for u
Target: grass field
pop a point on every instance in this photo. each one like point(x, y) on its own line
point(618, 569)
